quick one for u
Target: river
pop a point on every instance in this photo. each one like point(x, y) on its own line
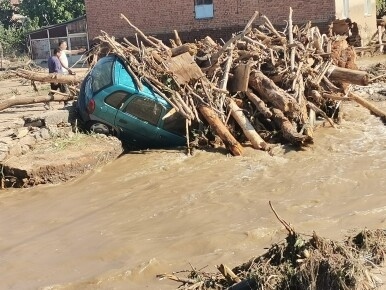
point(160, 211)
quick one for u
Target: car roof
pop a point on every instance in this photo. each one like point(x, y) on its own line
point(123, 77)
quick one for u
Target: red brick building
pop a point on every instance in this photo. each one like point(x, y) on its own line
point(197, 18)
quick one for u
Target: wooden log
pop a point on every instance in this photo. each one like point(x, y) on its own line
point(250, 132)
point(18, 100)
point(240, 78)
point(187, 47)
point(259, 103)
point(177, 38)
point(214, 58)
point(380, 36)
point(224, 80)
point(288, 131)
point(346, 75)
point(372, 108)
point(336, 97)
point(222, 131)
point(320, 112)
point(291, 40)
point(49, 78)
point(137, 30)
point(160, 44)
point(271, 93)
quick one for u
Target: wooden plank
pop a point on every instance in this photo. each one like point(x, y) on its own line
point(184, 68)
point(240, 78)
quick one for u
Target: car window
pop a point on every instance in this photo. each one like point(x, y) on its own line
point(175, 123)
point(144, 109)
point(102, 75)
point(116, 99)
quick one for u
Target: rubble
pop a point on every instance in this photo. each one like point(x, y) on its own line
point(261, 87)
point(29, 152)
point(299, 262)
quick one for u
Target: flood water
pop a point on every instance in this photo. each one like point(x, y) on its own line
point(157, 211)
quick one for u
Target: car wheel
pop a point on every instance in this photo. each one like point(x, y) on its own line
point(100, 128)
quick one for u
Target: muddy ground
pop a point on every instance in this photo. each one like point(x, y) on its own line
point(39, 146)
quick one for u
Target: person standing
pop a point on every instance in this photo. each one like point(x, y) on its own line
point(55, 66)
point(64, 58)
point(64, 61)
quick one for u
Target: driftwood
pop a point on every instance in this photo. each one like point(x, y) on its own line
point(287, 129)
point(230, 142)
point(49, 78)
point(247, 27)
point(351, 76)
point(259, 103)
point(371, 107)
point(271, 93)
point(261, 80)
point(256, 141)
point(18, 100)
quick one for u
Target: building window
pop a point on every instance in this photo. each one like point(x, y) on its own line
point(368, 7)
point(346, 9)
point(203, 9)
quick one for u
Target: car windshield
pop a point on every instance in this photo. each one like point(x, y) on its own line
point(102, 75)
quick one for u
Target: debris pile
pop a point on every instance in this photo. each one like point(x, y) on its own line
point(300, 263)
point(262, 86)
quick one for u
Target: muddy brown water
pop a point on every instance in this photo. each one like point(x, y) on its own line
point(157, 211)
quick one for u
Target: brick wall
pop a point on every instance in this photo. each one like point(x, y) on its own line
point(160, 18)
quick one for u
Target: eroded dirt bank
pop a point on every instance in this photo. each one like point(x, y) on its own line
point(39, 146)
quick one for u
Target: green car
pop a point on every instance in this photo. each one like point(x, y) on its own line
point(110, 102)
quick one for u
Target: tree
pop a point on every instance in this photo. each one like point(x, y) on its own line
point(381, 8)
point(48, 12)
point(6, 12)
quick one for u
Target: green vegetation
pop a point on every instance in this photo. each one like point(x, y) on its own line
point(381, 8)
point(38, 13)
point(48, 12)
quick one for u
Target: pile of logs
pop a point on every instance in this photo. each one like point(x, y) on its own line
point(262, 86)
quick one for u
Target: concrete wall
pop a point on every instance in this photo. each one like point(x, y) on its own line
point(363, 12)
point(161, 17)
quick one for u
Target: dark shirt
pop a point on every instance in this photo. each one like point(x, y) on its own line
point(54, 65)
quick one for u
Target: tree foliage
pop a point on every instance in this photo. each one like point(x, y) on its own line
point(381, 8)
point(48, 12)
point(13, 37)
point(6, 12)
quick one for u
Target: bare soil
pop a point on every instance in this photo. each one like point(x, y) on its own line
point(26, 159)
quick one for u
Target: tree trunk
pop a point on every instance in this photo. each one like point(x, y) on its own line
point(49, 78)
point(288, 131)
point(260, 105)
point(351, 76)
point(17, 100)
point(271, 93)
point(187, 47)
point(222, 131)
point(246, 126)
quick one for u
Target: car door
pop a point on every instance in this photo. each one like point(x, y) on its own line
point(108, 104)
point(138, 121)
point(172, 130)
